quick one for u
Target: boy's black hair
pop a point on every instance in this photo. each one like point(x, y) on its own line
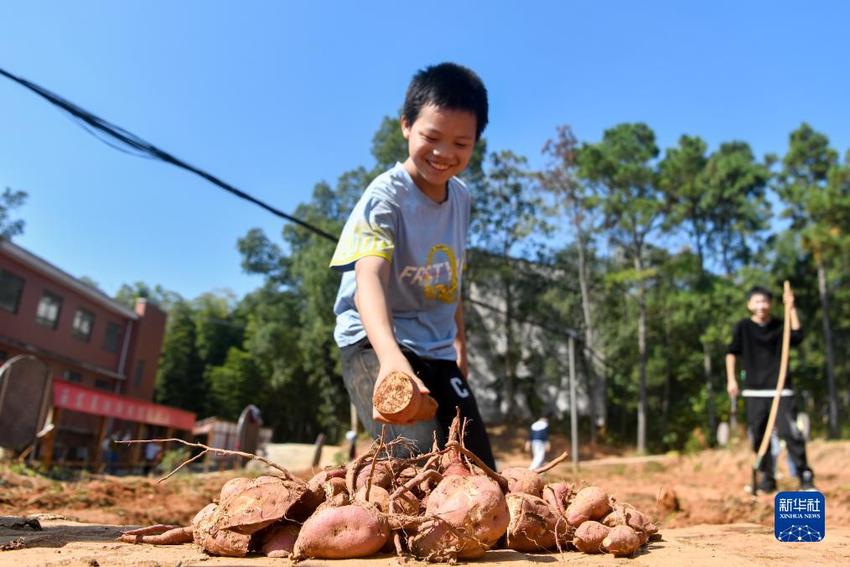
point(759, 290)
point(447, 85)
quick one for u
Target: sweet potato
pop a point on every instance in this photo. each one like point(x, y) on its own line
point(474, 505)
point(159, 534)
point(382, 477)
point(532, 524)
point(278, 540)
point(233, 486)
point(590, 503)
point(523, 480)
point(621, 541)
point(216, 541)
point(558, 495)
point(263, 501)
point(589, 536)
point(377, 496)
point(436, 540)
point(628, 515)
point(340, 533)
point(335, 492)
point(397, 398)
point(468, 506)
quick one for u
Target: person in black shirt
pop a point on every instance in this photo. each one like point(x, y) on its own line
point(758, 341)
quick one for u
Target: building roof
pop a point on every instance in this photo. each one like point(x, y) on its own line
point(46, 268)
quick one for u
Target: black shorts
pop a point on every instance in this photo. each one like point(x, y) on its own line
point(448, 387)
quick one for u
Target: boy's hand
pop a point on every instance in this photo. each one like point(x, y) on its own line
point(788, 298)
point(732, 388)
point(397, 364)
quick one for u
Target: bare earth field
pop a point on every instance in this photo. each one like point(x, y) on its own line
point(718, 523)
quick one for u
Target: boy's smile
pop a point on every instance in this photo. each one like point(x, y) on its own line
point(440, 143)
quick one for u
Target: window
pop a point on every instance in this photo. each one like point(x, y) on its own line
point(48, 310)
point(11, 287)
point(82, 325)
point(140, 370)
point(103, 384)
point(72, 376)
point(112, 337)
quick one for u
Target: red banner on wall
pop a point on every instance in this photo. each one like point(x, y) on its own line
point(86, 400)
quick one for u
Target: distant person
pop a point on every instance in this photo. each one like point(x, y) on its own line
point(538, 442)
point(402, 256)
point(351, 439)
point(757, 340)
point(153, 456)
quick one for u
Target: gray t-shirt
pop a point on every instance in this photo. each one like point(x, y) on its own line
point(425, 244)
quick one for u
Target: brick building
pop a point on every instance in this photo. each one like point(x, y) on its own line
point(102, 355)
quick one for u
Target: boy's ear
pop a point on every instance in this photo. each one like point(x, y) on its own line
point(405, 128)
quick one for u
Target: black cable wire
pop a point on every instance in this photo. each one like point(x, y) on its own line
point(141, 148)
point(144, 147)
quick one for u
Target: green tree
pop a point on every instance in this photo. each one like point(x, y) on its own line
point(622, 170)
point(735, 185)
point(129, 293)
point(180, 376)
point(574, 201)
point(817, 196)
point(10, 200)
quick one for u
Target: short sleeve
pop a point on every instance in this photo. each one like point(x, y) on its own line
point(735, 346)
point(370, 231)
point(796, 336)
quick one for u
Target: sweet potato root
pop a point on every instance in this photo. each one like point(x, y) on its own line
point(590, 503)
point(621, 541)
point(262, 502)
point(215, 541)
point(558, 495)
point(278, 540)
point(340, 533)
point(589, 536)
point(159, 534)
point(233, 486)
point(474, 505)
point(532, 524)
point(523, 480)
point(397, 398)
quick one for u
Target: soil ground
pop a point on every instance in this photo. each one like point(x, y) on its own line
point(717, 523)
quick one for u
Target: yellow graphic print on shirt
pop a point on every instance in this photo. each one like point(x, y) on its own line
point(439, 291)
point(363, 240)
point(437, 279)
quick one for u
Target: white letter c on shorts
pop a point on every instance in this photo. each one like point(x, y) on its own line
point(457, 384)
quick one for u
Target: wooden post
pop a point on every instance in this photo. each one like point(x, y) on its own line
point(49, 439)
point(98, 447)
point(317, 454)
point(573, 405)
point(135, 448)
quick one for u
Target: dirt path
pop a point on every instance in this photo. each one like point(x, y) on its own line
point(74, 544)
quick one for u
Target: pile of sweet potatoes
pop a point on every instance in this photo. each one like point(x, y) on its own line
point(439, 506)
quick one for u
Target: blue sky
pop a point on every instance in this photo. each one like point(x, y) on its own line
point(275, 96)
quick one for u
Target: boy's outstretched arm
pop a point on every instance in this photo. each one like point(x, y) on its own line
point(372, 274)
point(731, 381)
point(460, 341)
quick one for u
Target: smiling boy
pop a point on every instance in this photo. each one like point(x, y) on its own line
point(401, 253)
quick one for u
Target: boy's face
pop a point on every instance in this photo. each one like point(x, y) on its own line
point(759, 305)
point(440, 143)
